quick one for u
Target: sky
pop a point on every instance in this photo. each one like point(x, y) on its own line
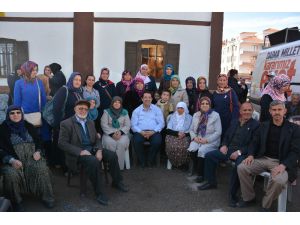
point(237, 22)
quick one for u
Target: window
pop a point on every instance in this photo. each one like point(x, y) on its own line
point(155, 53)
point(12, 52)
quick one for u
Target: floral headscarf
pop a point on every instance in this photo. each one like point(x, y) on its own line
point(274, 86)
point(126, 83)
point(145, 79)
point(139, 92)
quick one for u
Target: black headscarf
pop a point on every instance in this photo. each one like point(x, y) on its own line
point(16, 128)
point(55, 67)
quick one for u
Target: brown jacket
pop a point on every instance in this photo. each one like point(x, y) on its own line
point(70, 140)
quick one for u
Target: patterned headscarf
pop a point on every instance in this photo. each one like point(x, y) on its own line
point(27, 68)
point(203, 120)
point(274, 87)
point(139, 92)
point(126, 83)
point(166, 76)
point(172, 89)
point(145, 79)
point(16, 128)
point(70, 83)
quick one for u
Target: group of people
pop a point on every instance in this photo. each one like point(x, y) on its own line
point(94, 121)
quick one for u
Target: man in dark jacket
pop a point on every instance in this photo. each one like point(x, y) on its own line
point(57, 80)
point(234, 146)
point(11, 80)
point(275, 148)
point(79, 139)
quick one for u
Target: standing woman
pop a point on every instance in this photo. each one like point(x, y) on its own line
point(125, 84)
point(273, 91)
point(63, 108)
point(57, 80)
point(29, 93)
point(178, 137)
point(115, 123)
point(190, 84)
point(107, 91)
point(178, 94)
point(89, 91)
point(225, 102)
point(202, 90)
point(165, 81)
point(133, 98)
point(149, 81)
point(24, 169)
point(45, 79)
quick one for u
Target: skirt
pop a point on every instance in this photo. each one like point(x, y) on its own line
point(176, 150)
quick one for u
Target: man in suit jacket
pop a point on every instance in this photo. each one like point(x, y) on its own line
point(275, 149)
point(234, 146)
point(79, 139)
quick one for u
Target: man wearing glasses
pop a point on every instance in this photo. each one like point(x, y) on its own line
point(78, 138)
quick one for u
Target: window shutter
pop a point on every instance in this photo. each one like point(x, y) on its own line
point(21, 52)
point(173, 56)
point(131, 57)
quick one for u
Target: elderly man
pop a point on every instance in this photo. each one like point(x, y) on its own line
point(275, 148)
point(147, 121)
point(79, 139)
point(234, 146)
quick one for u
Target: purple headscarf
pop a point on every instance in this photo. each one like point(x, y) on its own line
point(27, 68)
point(70, 83)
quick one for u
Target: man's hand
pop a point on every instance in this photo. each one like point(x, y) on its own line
point(85, 152)
point(37, 156)
point(99, 155)
point(17, 164)
point(277, 170)
point(234, 155)
point(224, 149)
point(249, 160)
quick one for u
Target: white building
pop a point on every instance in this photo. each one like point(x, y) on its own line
point(86, 42)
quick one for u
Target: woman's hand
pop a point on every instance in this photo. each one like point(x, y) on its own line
point(37, 156)
point(17, 164)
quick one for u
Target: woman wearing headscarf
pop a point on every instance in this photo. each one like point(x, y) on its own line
point(202, 90)
point(133, 98)
point(165, 81)
point(178, 94)
point(205, 134)
point(107, 91)
point(115, 124)
point(89, 91)
point(125, 84)
point(45, 79)
point(29, 92)
point(178, 137)
point(190, 84)
point(149, 81)
point(24, 169)
point(273, 91)
point(57, 80)
point(63, 108)
point(225, 102)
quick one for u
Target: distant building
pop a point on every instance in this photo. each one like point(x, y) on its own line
point(241, 52)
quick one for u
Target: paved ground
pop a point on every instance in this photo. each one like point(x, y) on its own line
point(156, 189)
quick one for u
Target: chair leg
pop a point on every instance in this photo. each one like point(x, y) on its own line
point(105, 167)
point(282, 199)
point(169, 165)
point(127, 159)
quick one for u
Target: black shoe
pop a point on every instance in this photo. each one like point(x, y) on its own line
point(199, 179)
point(18, 207)
point(244, 204)
point(207, 186)
point(262, 209)
point(102, 199)
point(232, 203)
point(120, 186)
point(48, 204)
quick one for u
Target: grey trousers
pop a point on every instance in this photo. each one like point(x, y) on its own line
point(275, 185)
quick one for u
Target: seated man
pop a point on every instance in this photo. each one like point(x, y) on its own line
point(147, 121)
point(78, 138)
point(234, 146)
point(275, 148)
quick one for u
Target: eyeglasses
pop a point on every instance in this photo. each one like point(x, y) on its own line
point(83, 109)
point(15, 112)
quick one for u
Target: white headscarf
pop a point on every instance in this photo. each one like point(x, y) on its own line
point(180, 118)
point(146, 79)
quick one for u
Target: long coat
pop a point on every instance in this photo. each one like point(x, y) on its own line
point(70, 140)
point(289, 145)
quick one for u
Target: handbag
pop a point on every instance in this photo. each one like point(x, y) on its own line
point(35, 118)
